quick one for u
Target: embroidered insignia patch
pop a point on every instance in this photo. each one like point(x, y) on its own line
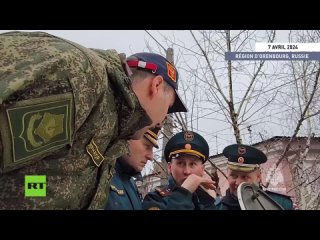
point(163, 191)
point(93, 151)
point(172, 72)
point(40, 125)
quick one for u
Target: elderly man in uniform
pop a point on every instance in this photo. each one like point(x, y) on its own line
point(244, 166)
point(124, 193)
point(189, 185)
point(67, 113)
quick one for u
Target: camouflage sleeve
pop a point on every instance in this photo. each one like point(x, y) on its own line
point(178, 199)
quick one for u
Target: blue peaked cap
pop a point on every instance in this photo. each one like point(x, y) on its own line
point(158, 65)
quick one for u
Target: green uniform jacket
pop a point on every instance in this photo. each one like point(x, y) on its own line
point(230, 202)
point(66, 112)
point(124, 194)
point(284, 201)
point(173, 197)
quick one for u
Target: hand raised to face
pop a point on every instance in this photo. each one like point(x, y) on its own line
point(193, 181)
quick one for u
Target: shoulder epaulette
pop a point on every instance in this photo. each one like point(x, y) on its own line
point(154, 208)
point(163, 190)
point(118, 191)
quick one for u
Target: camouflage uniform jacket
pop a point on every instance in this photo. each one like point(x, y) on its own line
point(66, 112)
point(124, 194)
point(173, 197)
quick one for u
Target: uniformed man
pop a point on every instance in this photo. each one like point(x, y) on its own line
point(66, 114)
point(244, 166)
point(124, 193)
point(189, 185)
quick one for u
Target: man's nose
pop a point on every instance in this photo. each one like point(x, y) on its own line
point(149, 155)
point(187, 170)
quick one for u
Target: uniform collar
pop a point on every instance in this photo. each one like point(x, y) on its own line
point(123, 168)
point(231, 200)
point(172, 182)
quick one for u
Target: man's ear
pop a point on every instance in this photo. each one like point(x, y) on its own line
point(203, 167)
point(259, 176)
point(157, 84)
point(169, 167)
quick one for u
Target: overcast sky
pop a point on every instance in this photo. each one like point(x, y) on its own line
point(128, 41)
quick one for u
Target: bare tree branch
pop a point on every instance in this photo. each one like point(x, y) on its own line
point(283, 155)
point(216, 167)
point(210, 67)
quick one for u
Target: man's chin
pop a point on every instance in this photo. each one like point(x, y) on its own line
point(139, 168)
point(234, 193)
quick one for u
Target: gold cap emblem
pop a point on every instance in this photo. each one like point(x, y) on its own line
point(188, 136)
point(240, 160)
point(242, 150)
point(187, 146)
